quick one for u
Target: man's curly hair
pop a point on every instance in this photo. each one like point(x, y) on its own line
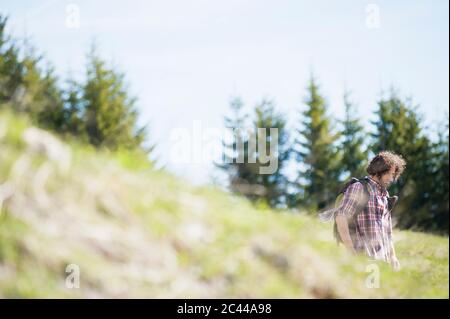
point(382, 163)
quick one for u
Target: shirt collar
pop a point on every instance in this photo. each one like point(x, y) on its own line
point(377, 185)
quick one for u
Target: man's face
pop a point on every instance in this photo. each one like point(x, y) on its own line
point(388, 178)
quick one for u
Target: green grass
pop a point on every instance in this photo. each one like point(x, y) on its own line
point(138, 232)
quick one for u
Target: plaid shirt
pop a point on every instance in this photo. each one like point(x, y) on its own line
point(373, 235)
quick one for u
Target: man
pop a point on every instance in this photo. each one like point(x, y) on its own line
point(373, 232)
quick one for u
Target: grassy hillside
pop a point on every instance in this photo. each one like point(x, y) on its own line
point(137, 232)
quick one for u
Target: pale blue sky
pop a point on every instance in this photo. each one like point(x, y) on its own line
point(183, 59)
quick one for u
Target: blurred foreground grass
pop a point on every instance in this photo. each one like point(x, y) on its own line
point(137, 232)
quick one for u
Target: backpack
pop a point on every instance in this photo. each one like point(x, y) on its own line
point(352, 223)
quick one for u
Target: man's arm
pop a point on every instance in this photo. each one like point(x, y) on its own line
point(342, 226)
point(392, 256)
point(352, 197)
point(395, 264)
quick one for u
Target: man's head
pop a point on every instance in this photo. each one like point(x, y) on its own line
point(386, 167)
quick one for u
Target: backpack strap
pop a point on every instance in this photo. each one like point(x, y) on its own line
point(365, 182)
point(391, 202)
point(350, 182)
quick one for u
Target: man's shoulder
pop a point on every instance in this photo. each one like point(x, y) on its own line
point(355, 187)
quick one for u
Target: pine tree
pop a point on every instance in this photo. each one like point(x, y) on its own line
point(11, 68)
point(98, 111)
point(240, 155)
point(430, 203)
point(110, 115)
point(318, 181)
point(38, 93)
point(74, 110)
point(354, 154)
point(439, 218)
point(398, 129)
point(27, 87)
point(243, 158)
point(274, 183)
point(52, 113)
point(236, 152)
